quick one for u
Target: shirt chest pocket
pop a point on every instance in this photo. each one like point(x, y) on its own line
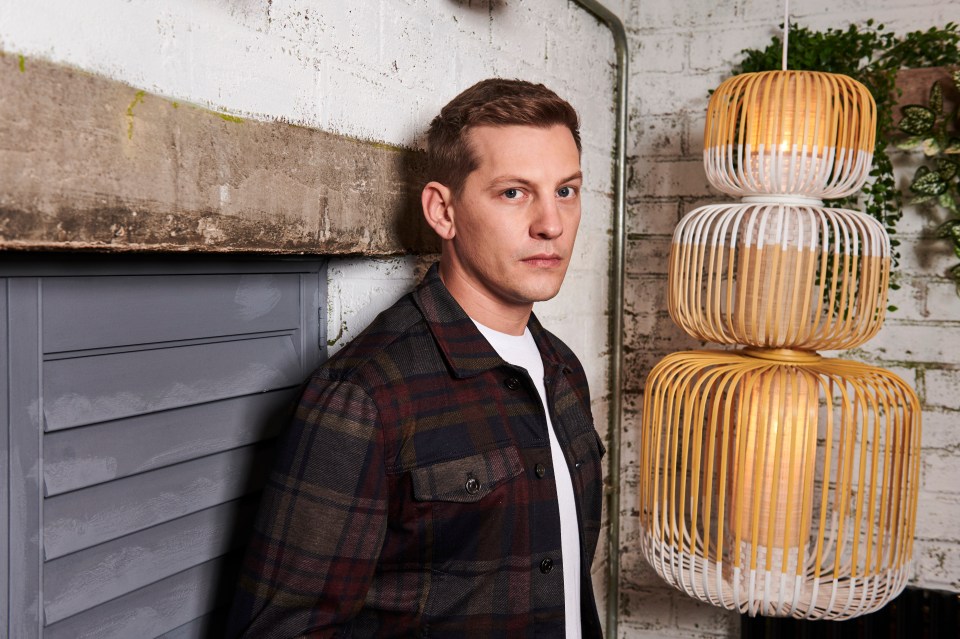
point(467, 479)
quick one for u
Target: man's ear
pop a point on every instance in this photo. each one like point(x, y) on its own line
point(437, 202)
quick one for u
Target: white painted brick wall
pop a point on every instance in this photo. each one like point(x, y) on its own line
point(680, 51)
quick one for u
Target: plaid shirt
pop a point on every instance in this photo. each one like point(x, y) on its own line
point(413, 494)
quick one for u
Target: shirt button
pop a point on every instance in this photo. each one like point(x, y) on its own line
point(540, 470)
point(546, 565)
point(472, 486)
point(512, 383)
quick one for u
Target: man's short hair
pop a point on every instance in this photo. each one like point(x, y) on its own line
point(492, 102)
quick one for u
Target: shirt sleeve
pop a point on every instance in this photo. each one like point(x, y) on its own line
point(321, 523)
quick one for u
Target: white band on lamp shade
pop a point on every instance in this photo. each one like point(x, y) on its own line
point(779, 489)
point(790, 132)
point(779, 276)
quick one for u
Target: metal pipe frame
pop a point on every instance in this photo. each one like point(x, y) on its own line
point(617, 276)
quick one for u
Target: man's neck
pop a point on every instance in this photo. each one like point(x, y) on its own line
point(479, 306)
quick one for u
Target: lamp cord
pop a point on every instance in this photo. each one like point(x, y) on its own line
point(786, 30)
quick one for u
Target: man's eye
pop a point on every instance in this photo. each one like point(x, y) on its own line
point(566, 191)
point(511, 194)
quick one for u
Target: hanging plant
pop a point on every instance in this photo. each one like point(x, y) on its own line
point(872, 56)
point(934, 130)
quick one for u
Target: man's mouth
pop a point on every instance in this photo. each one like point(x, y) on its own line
point(543, 260)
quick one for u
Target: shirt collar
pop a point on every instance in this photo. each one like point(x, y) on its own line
point(466, 350)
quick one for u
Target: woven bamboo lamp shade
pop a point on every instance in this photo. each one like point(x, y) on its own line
point(774, 481)
point(779, 489)
point(776, 275)
point(789, 132)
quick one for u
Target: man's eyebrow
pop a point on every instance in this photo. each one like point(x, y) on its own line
point(516, 179)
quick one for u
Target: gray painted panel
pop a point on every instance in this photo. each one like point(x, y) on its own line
point(313, 305)
point(150, 611)
point(97, 388)
point(115, 311)
point(91, 577)
point(209, 625)
point(34, 264)
point(24, 469)
point(83, 518)
point(81, 457)
point(133, 462)
point(4, 465)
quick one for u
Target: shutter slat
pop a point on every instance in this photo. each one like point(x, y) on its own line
point(83, 518)
point(81, 457)
point(98, 388)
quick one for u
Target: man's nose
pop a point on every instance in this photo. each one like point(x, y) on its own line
point(547, 223)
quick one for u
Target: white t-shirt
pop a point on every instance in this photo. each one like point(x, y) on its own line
point(521, 350)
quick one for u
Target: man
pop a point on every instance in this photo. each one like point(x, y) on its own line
point(442, 475)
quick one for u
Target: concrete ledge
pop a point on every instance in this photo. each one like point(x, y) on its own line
point(88, 163)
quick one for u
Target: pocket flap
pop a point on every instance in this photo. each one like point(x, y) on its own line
point(468, 479)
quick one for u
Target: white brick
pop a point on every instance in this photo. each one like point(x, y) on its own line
point(518, 31)
point(925, 255)
point(942, 389)
point(703, 620)
point(938, 471)
point(937, 566)
point(399, 58)
point(652, 217)
point(909, 299)
point(938, 518)
point(662, 53)
point(654, 15)
point(943, 303)
point(668, 94)
point(914, 343)
point(941, 429)
point(656, 136)
point(359, 289)
point(668, 178)
point(715, 54)
point(364, 107)
point(648, 254)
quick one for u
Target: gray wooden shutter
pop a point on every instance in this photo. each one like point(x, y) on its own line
point(139, 399)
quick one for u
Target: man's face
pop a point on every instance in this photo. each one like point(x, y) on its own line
point(515, 219)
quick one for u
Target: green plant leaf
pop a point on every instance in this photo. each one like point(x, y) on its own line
point(947, 228)
point(946, 168)
point(931, 147)
point(909, 144)
point(936, 99)
point(917, 119)
point(955, 76)
point(953, 146)
point(947, 201)
point(921, 199)
point(928, 183)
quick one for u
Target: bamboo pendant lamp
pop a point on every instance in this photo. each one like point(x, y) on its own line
point(790, 132)
point(774, 275)
point(774, 481)
point(779, 489)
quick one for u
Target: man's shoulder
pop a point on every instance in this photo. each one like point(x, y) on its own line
point(396, 338)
